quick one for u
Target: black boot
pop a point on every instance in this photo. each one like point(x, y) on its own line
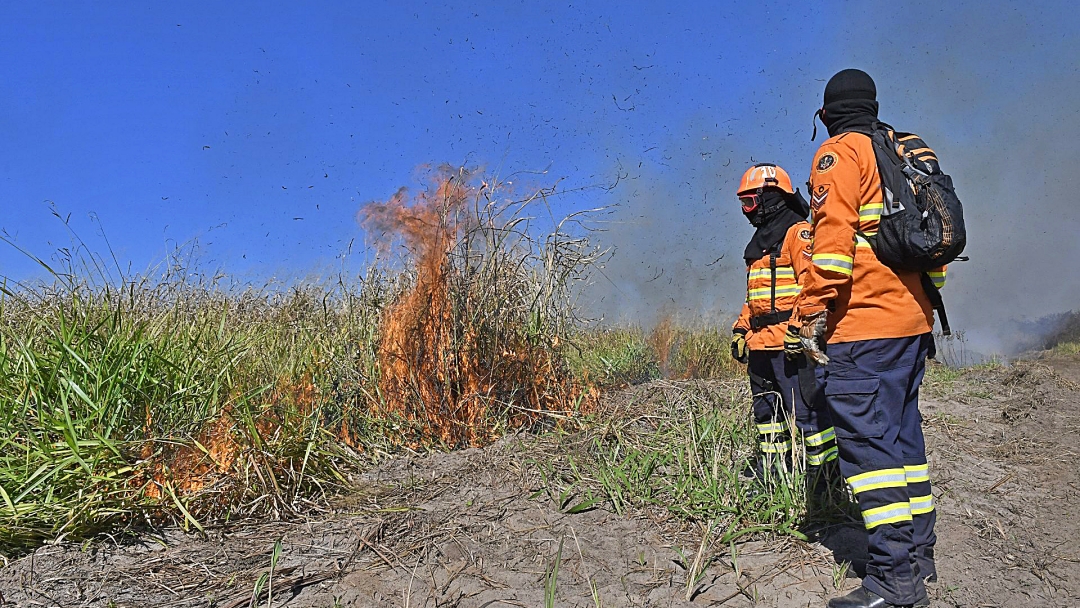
point(864, 598)
point(754, 469)
point(767, 469)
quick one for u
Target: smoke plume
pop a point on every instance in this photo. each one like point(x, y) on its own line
point(991, 88)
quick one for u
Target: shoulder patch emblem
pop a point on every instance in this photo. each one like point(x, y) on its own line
point(817, 197)
point(804, 234)
point(826, 162)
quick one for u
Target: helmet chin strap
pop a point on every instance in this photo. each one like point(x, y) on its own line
point(819, 114)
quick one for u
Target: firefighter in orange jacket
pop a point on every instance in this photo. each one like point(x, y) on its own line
point(784, 387)
point(873, 324)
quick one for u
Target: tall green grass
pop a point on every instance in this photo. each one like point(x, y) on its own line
point(107, 388)
point(615, 356)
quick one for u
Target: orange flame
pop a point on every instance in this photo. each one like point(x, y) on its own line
point(662, 341)
point(435, 371)
point(190, 468)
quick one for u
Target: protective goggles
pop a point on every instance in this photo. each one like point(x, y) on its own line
point(750, 202)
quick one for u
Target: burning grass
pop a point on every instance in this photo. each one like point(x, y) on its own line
point(169, 398)
point(473, 345)
point(179, 397)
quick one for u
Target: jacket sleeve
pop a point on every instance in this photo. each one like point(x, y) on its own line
point(743, 322)
point(937, 275)
point(835, 190)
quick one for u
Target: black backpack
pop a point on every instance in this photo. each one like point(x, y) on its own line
point(922, 223)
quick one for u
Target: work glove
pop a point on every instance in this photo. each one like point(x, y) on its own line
point(738, 346)
point(812, 336)
point(792, 344)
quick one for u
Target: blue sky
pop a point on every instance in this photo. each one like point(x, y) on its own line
point(167, 122)
point(226, 122)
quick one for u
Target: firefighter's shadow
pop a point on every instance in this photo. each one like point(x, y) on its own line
point(848, 545)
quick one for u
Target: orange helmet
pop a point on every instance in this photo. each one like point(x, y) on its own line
point(764, 175)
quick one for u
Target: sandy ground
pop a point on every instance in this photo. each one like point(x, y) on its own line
point(473, 529)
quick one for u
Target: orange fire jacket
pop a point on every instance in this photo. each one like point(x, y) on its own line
point(792, 262)
point(867, 300)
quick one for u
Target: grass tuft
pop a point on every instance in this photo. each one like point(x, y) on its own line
point(682, 456)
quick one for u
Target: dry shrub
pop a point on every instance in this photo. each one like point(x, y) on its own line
point(473, 345)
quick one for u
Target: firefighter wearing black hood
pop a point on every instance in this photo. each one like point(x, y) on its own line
point(784, 387)
point(872, 324)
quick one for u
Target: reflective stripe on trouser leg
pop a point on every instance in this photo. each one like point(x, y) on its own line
point(869, 385)
point(774, 437)
point(919, 491)
point(882, 496)
point(820, 447)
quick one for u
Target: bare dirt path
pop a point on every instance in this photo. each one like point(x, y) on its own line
point(475, 529)
point(1005, 455)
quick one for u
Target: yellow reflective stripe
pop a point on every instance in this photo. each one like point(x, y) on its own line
point(888, 514)
point(918, 151)
point(760, 290)
point(820, 438)
point(871, 211)
point(822, 458)
point(782, 272)
point(767, 298)
point(875, 480)
point(917, 473)
point(772, 427)
point(909, 137)
point(921, 505)
point(938, 277)
point(764, 293)
point(860, 241)
point(833, 256)
point(775, 448)
point(835, 262)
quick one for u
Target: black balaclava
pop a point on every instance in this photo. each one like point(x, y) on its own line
point(850, 102)
point(778, 212)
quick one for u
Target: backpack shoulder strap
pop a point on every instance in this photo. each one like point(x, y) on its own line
point(890, 165)
point(934, 294)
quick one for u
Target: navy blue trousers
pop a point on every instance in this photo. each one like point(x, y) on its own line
point(872, 391)
point(781, 398)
